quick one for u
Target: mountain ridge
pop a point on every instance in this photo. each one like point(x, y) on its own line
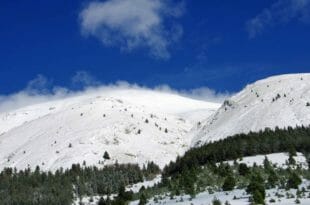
point(134, 126)
point(277, 101)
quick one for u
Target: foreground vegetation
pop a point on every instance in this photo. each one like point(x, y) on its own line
point(198, 170)
point(59, 188)
point(227, 177)
point(241, 145)
point(203, 167)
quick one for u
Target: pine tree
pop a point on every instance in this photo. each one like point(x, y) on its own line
point(257, 188)
point(106, 155)
point(291, 160)
point(229, 183)
point(188, 179)
point(243, 169)
point(292, 151)
point(143, 199)
point(267, 164)
point(272, 179)
point(101, 201)
point(293, 181)
point(258, 198)
point(216, 201)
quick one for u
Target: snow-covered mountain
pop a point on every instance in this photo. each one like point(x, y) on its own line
point(276, 101)
point(140, 125)
point(133, 125)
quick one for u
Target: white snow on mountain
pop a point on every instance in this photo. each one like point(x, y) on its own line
point(274, 196)
point(278, 101)
point(278, 159)
point(140, 125)
point(135, 188)
point(133, 125)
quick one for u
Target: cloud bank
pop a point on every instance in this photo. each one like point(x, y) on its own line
point(132, 24)
point(40, 90)
point(281, 12)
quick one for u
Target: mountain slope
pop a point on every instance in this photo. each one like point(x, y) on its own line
point(278, 101)
point(133, 125)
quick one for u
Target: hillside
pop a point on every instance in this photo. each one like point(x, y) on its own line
point(268, 166)
point(278, 101)
point(132, 125)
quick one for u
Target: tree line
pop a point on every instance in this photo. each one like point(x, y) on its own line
point(241, 145)
point(26, 187)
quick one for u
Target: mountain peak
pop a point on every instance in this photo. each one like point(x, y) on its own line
point(132, 125)
point(278, 101)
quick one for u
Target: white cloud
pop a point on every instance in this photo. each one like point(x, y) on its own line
point(35, 95)
point(202, 93)
point(131, 24)
point(83, 78)
point(281, 12)
point(205, 93)
point(38, 90)
point(40, 84)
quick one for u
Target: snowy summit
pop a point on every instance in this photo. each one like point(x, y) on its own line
point(132, 125)
point(278, 101)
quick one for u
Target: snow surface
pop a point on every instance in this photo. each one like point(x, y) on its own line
point(206, 198)
point(276, 101)
point(278, 159)
point(128, 123)
point(135, 188)
point(242, 198)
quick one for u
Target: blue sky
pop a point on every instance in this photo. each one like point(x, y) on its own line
point(186, 44)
